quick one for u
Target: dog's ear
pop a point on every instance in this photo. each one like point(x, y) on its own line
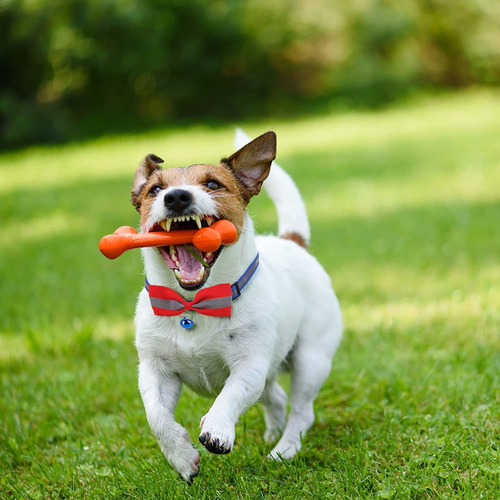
point(146, 168)
point(251, 164)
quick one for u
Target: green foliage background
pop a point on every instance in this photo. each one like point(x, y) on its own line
point(79, 67)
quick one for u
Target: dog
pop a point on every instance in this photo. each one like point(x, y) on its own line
point(270, 305)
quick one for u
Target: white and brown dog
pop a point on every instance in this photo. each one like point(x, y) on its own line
point(277, 308)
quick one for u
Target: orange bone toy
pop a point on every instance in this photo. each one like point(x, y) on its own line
point(206, 239)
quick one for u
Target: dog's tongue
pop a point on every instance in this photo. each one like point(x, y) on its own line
point(190, 266)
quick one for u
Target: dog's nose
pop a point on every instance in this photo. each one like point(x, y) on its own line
point(178, 200)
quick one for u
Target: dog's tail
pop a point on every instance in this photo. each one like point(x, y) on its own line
point(293, 223)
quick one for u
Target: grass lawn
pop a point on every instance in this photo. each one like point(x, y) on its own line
point(405, 212)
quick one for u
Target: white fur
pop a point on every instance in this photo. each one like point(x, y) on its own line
point(203, 203)
point(288, 311)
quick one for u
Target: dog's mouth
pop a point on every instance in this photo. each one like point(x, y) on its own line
point(190, 265)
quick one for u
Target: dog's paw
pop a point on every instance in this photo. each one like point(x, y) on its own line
point(184, 458)
point(186, 464)
point(284, 450)
point(216, 436)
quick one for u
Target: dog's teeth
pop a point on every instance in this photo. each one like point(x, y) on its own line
point(177, 274)
point(168, 224)
point(163, 224)
point(173, 255)
point(198, 221)
point(210, 220)
point(208, 255)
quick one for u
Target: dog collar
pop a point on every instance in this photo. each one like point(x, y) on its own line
point(212, 301)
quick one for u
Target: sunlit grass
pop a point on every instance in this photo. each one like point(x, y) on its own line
point(404, 206)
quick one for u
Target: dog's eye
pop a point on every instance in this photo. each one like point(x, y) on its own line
point(213, 184)
point(154, 190)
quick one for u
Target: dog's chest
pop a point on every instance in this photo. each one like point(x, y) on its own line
point(200, 359)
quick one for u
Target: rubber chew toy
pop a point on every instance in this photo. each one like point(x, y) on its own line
point(206, 239)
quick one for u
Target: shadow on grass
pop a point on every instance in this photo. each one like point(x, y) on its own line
point(437, 237)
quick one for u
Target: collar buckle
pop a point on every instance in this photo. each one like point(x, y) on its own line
point(236, 290)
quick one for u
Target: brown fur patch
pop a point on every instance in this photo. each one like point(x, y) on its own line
point(240, 177)
point(252, 162)
point(230, 199)
point(295, 237)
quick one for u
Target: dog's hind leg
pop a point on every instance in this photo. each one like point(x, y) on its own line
point(310, 367)
point(274, 401)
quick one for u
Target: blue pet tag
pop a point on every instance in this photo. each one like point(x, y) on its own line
point(186, 323)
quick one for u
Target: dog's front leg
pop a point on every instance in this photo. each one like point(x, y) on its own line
point(160, 393)
point(242, 389)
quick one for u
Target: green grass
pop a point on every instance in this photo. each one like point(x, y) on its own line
point(405, 212)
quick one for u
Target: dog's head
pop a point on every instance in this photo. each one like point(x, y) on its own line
point(197, 196)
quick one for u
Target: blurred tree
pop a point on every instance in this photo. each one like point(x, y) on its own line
point(80, 66)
